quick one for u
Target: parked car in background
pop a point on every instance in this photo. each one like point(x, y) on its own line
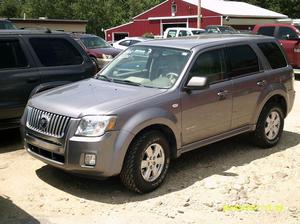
point(32, 62)
point(181, 94)
point(128, 41)
point(97, 48)
point(220, 29)
point(7, 25)
point(182, 32)
point(289, 37)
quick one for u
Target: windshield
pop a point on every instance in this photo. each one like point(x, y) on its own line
point(224, 29)
point(156, 67)
point(94, 42)
point(4, 25)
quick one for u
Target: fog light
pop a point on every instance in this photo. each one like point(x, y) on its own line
point(90, 159)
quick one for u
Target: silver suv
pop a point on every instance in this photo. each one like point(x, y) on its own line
point(160, 99)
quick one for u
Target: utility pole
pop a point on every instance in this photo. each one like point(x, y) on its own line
point(199, 15)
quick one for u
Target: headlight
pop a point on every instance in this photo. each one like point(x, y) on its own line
point(107, 56)
point(95, 126)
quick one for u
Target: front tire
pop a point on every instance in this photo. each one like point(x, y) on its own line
point(146, 162)
point(269, 128)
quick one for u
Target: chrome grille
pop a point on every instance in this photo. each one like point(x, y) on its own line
point(47, 123)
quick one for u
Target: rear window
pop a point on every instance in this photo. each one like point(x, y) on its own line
point(11, 55)
point(274, 55)
point(266, 31)
point(56, 52)
point(241, 60)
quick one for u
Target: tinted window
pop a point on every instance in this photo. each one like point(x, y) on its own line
point(11, 55)
point(274, 55)
point(286, 33)
point(182, 33)
point(208, 64)
point(267, 31)
point(56, 52)
point(241, 60)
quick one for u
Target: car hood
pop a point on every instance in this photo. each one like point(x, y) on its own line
point(90, 97)
point(109, 51)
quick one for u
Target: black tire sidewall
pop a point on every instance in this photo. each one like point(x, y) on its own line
point(152, 138)
point(269, 109)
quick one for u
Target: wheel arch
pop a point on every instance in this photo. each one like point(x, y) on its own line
point(278, 97)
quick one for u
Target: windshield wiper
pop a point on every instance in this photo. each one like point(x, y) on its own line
point(127, 82)
point(105, 78)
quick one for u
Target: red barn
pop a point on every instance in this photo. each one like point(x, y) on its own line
point(183, 13)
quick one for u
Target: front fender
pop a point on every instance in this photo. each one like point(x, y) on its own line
point(152, 116)
point(135, 124)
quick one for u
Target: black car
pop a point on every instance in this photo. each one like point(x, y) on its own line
point(34, 61)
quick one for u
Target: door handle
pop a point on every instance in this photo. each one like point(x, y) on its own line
point(261, 83)
point(223, 94)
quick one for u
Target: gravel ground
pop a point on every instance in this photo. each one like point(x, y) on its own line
point(227, 182)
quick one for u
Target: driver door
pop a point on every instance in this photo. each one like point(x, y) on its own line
point(206, 113)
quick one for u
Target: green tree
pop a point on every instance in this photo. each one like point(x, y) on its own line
point(10, 8)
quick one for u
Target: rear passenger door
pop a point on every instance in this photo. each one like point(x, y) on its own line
point(58, 59)
point(207, 113)
point(249, 80)
point(18, 77)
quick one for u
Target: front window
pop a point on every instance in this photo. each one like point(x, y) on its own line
point(94, 42)
point(156, 67)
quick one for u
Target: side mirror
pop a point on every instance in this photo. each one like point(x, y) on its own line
point(197, 83)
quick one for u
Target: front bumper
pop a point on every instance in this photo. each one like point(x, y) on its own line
point(68, 154)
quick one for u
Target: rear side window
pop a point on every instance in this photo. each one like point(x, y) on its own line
point(274, 55)
point(267, 31)
point(11, 55)
point(56, 52)
point(208, 64)
point(241, 60)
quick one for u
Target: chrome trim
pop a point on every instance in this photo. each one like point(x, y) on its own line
point(57, 124)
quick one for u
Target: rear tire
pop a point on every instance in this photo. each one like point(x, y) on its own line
point(146, 162)
point(269, 127)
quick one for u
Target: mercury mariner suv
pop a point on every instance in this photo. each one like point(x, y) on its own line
point(159, 99)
